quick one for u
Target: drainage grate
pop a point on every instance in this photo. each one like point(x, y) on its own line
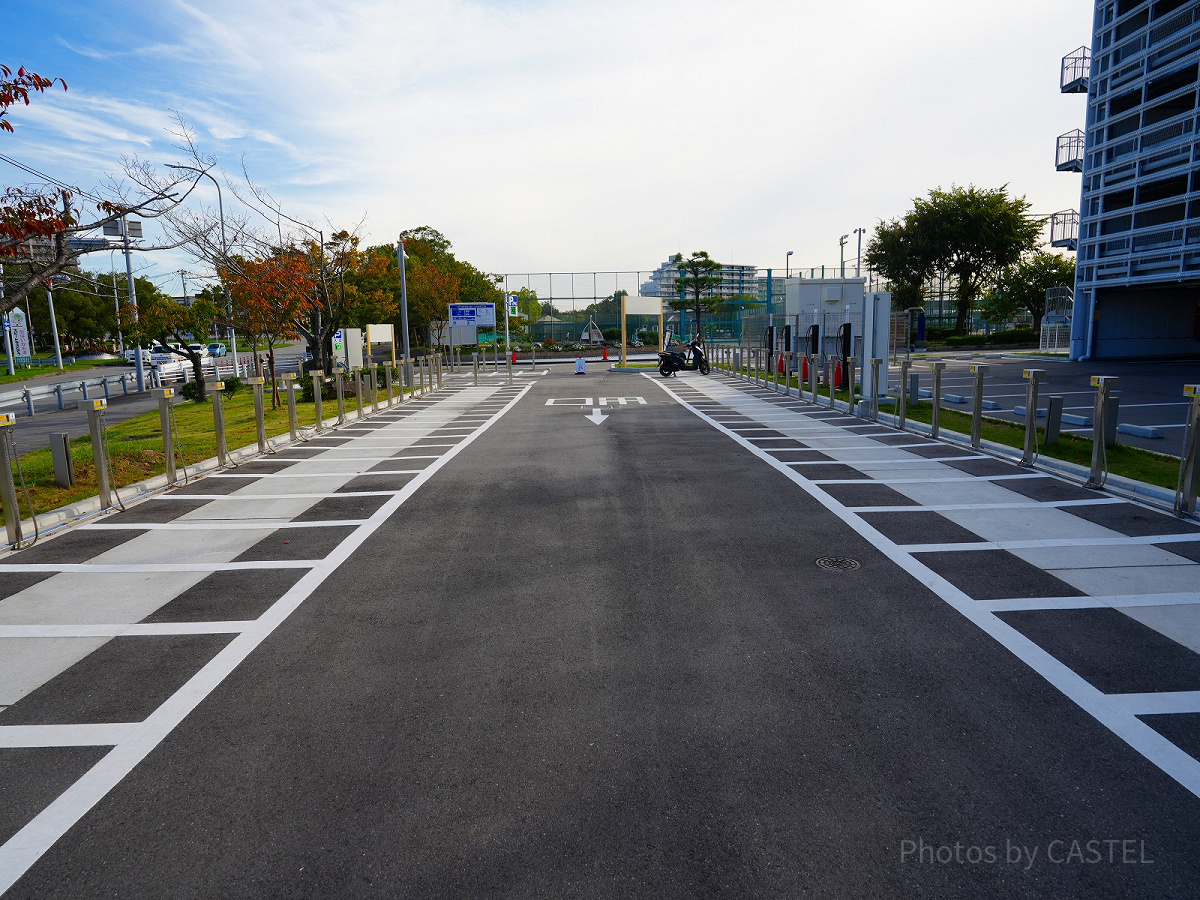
point(837, 563)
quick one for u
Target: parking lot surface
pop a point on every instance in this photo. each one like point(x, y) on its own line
point(606, 635)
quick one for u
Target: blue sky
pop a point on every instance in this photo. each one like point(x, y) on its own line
point(564, 136)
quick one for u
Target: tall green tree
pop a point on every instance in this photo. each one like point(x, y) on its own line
point(971, 233)
point(901, 255)
point(697, 282)
point(1021, 288)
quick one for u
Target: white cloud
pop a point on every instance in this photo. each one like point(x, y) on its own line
point(578, 135)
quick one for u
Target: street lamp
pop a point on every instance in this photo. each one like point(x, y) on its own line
point(225, 256)
point(858, 259)
point(842, 252)
point(400, 257)
point(788, 264)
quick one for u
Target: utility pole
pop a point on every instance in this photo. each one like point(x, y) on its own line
point(858, 259)
point(842, 251)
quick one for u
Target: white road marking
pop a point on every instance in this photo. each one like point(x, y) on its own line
point(1059, 542)
point(13, 736)
point(255, 497)
point(121, 630)
point(947, 480)
point(1137, 734)
point(1157, 703)
point(219, 525)
point(150, 568)
point(950, 507)
point(312, 475)
point(1115, 601)
point(24, 848)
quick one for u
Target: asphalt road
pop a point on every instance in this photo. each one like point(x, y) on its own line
point(573, 649)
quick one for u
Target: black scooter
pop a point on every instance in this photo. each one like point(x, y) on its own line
point(672, 361)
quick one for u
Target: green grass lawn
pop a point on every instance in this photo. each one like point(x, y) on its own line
point(137, 446)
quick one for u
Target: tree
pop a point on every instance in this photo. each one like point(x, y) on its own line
point(696, 281)
point(899, 252)
point(270, 296)
point(37, 223)
point(973, 234)
point(1021, 288)
point(165, 320)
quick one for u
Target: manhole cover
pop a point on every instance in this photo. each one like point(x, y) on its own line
point(837, 563)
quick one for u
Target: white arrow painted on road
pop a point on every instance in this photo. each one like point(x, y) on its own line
point(597, 417)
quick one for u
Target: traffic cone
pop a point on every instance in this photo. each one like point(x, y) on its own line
point(606, 352)
point(514, 353)
point(837, 373)
point(804, 373)
point(780, 363)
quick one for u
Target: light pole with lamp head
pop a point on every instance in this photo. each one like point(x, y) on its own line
point(858, 259)
point(225, 257)
point(400, 257)
point(788, 266)
point(842, 252)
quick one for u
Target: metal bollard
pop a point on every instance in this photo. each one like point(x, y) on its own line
point(401, 378)
point(1054, 411)
point(387, 378)
point(475, 367)
point(812, 378)
point(831, 381)
point(125, 385)
point(374, 374)
point(28, 397)
point(356, 374)
point(58, 392)
point(979, 370)
point(95, 417)
point(217, 388)
point(259, 413)
point(1034, 377)
point(902, 402)
point(876, 364)
point(8, 489)
point(289, 384)
point(1189, 465)
point(340, 389)
point(421, 374)
point(936, 421)
point(508, 366)
point(104, 386)
point(532, 356)
point(164, 418)
point(83, 390)
point(1104, 385)
point(848, 372)
point(318, 378)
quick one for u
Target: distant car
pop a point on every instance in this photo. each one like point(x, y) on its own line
point(216, 348)
point(198, 348)
point(131, 354)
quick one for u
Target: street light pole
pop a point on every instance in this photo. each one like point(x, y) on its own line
point(53, 322)
point(842, 252)
point(788, 266)
point(225, 255)
point(858, 259)
point(138, 367)
point(400, 257)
